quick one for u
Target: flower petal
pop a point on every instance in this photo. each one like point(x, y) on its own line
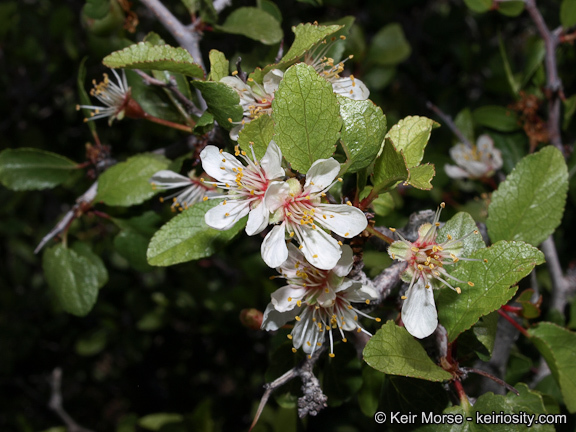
point(272, 319)
point(321, 175)
point(455, 172)
point(271, 81)
point(274, 251)
point(293, 263)
point(224, 216)
point(320, 249)
point(276, 195)
point(272, 162)
point(327, 297)
point(285, 298)
point(257, 219)
point(345, 262)
point(346, 221)
point(351, 87)
point(419, 311)
point(167, 179)
point(212, 164)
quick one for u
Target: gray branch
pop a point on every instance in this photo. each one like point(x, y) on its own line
point(560, 286)
point(55, 403)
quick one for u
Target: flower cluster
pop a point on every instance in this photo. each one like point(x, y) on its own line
point(426, 260)
point(192, 189)
point(319, 300)
point(473, 162)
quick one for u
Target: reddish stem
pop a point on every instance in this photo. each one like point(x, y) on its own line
point(461, 393)
point(378, 234)
point(511, 309)
point(514, 323)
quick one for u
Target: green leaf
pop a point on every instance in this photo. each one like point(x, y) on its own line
point(128, 183)
point(204, 124)
point(479, 6)
point(187, 237)
point(485, 331)
point(73, 278)
point(514, 85)
point(134, 237)
point(389, 46)
point(465, 124)
point(154, 422)
point(253, 23)
point(270, 7)
point(219, 65)
point(394, 351)
point(536, 51)
point(507, 263)
point(259, 132)
point(410, 135)
point(30, 169)
point(145, 55)
point(96, 9)
point(568, 13)
point(305, 37)
point(389, 169)
point(363, 130)
point(460, 226)
point(84, 99)
point(529, 204)
point(92, 344)
point(511, 8)
point(496, 117)
point(222, 100)
point(306, 117)
point(98, 267)
point(421, 176)
point(383, 205)
point(558, 347)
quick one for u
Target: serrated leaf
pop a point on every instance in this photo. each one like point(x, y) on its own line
point(558, 347)
point(568, 13)
point(204, 124)
point(31, 169)
point(389, 46)
point(421, 176)
point(389, 169)
point(187, 237)
point(485, 331)
point(253, 23)
point(219, 65)
point(145, 55)
point(222, 100)
point(496, 117)
point(154, 422)
point(260, 132)
point(128, 183)
point(363, 130)
point(306, 117)
point(394, 351)
point(72, 277)
point(410, 135)
point(305, 37)
point(507, 263)
point(460, 226)
point(529, 204)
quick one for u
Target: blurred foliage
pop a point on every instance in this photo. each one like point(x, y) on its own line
point(163, 349)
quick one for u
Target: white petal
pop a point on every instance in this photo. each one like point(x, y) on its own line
point(419, 311)
point(306, 333)
point(460, 153)
point(212, 164)
point(345, 262)
point(355, 292)
point(319, 248)
point(274, 251)
point(235, 82)
point(276, 195)
point(321, 175)
point(167, 179)
point(257, 219)
point(272, 162)
point(273, 320)
point(293, 263)
point(476, 168)
point(224, 216)
point(272, 80)
point(346, 221)
point(235, 131)
point(352, 88)
point(485, 143)
point(285, 298)
point(327, 297)
point(455, 172)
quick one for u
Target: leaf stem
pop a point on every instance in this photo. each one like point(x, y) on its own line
point(378, 234)
point(168, 123)
point(492, 377)
point(513, 322)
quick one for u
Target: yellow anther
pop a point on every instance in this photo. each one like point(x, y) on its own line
point(235, 73)
point(347, 234)
point(227, 214)
point(392, 229)
point(414, 249)
point(403, 297)
point(442, 205)
point(458, 290)
point(348, 203)
point(294, 350)
point(449, 237)
point(485, 260)
point(299, 303)
point(367, 301)
point(377, 319)
point(315, 256)
point(308, 343)
point(340, 243)
point(300, 247)
point(471, 283)
point(230, 119)
point(297, 318)
point(340, 179)
point(289, 336)
point(205, 198)
point(289, 299)
point(331, 355)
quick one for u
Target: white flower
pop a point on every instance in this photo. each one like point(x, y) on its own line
point(426, 261)
point(481, 160)
point(255, 99)
point(193, 189)
point(319, 301)
point(302, 216)
point(245, 186)
point(116, 98)
point(327, 68)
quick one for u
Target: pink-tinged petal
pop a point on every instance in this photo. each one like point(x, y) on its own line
point(460, 153)
point(351, 88)
point(293, 263)
point(224, 216)
point(257, 219)
point(167, 179)
point(271, 81)
point(319, 248)
point(272, 319)
point(285, 298)
point(346, 221)
point(236, 83)
point(212, 162)
point(345, 262)
point(419, 313)
point(321, 175)
point(455, 172)
point(476, 168)
point(400, 250)
point(276, 195)
point(272, 162)
point(327, 297)
point(274, 251)
point(485, 143)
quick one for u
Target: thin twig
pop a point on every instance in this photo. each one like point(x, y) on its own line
point(55, 403)
point(492, 377)
point(560, 286)
point(448, 120)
